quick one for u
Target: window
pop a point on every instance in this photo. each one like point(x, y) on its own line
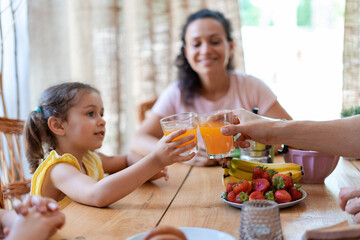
point(296, 46)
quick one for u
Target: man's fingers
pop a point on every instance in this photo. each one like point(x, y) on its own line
point(229, 130)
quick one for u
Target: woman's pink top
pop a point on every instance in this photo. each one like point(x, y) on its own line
point(245, 91)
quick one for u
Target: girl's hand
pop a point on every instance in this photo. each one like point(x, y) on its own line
point(168, 150)
point(163, 173)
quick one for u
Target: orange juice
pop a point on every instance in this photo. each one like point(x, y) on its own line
point(215, 142)
point(188, 132)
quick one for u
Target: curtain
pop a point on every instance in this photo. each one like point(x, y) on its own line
point(125, 48)
point(13, 59)
point(351, 71)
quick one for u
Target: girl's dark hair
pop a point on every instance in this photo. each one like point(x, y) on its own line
point(54, 101)
point(189, 80)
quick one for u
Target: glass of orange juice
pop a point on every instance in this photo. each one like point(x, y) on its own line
point(216, 144)
point(180, 121)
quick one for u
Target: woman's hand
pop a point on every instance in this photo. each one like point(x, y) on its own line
point(349, 201)
point(202, 159)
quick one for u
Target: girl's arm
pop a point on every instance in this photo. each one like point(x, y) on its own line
point(147, 136)
point(84, 189)
point(113, 164)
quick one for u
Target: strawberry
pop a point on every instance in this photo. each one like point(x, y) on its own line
point(269, 195)
point(242, 186)
point(241, 197)
point(229, 187)
point(260, 184)
point(256, 195)
point(231, 196)
point(295, 193)
point(282, 196)
point(282, 181)
point(258, 172)
point(269, 174)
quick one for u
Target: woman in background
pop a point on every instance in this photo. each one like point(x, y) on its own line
point(206, 82)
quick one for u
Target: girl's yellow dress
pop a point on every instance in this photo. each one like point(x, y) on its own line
point(92, 163)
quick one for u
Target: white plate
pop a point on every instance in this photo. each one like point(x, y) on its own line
point(281, 205)
point(193, 233)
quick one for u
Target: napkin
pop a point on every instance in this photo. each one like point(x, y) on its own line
point(338, 231)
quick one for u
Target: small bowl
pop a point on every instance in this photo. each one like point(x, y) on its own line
point(316, 166)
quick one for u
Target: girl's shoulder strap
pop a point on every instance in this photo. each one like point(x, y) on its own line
point(93, 164)
point(52, 159)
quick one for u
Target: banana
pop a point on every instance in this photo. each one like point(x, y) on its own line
point(249, 166)
point(297, 175)
point(239, 173)
point(227, 178)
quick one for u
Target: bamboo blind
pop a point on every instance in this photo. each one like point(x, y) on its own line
point(351, 60)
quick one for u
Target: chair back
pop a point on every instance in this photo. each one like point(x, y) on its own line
point(13, 182)
point(144, 107)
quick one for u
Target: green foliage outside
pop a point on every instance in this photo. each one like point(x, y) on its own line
point(251, 14)
point(304, 13)
point(350, 111)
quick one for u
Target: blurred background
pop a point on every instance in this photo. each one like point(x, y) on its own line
point(307, 51)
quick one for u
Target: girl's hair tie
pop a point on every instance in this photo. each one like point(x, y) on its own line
point(38, 110)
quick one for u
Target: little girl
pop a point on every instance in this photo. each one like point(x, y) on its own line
point(60, 138)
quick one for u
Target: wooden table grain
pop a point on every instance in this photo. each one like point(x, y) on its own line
point(191, 198)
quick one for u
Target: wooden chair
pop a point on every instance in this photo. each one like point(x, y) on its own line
point(144, 107)
point(13, 182)
point(2, 205)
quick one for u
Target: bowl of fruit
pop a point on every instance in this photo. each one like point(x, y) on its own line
point(246, 181)
point(315, 165)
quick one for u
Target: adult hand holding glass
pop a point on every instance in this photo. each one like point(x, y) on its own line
point(337, 137)
point(251, 126)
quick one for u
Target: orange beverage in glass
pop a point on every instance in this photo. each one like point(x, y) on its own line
point(215, 142)
point(180, 121)
point(188, 132)
point(217, 145)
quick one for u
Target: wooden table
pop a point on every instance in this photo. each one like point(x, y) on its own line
point(191, 198)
